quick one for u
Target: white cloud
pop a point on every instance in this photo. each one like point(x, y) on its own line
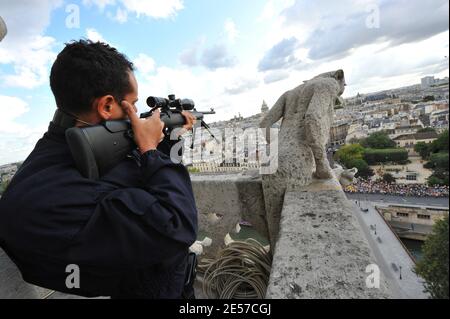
point(239, 89)
point(25, 48)
point(275, 76)
point(273, 8)
point(94, 35)
point(281, 56)
point(157, 9)
point(101, 4)
point(231, 30)
point(217, 57)
point(376, 67)
point(16, 147)
point(189, 57)
point(213, 57)
point(241, 85)
point(16, 140)
point(144, 64)
point(121, 15)
point(344, 24)
point(29, 55)
point(30, 63)
point(411, 42)
point(11, 108)
point(153, 8)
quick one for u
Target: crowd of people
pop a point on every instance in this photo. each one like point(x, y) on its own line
point(416, 190)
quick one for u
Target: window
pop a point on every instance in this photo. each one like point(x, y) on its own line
point(402, 215)
point(421, 216)
point(411, 177)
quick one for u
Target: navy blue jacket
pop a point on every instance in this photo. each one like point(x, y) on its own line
point(128, 233)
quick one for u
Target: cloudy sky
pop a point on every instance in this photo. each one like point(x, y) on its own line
point(227, 54)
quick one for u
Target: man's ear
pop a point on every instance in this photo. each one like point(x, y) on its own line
point(104, 106)
point(339, 75)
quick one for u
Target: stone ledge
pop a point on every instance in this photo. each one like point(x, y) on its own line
point(12, 285)
point(235, 197)
point(321, 252)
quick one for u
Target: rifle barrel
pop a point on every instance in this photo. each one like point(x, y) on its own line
point(208, 112)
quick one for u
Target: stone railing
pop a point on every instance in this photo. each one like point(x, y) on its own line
point(11, 283)
point(320, 252)
point(225, 200)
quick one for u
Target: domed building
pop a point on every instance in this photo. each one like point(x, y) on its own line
point(264, 108)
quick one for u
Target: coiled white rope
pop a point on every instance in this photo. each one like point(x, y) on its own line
point(240, 271)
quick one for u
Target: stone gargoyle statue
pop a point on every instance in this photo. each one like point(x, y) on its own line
point(307, 113)
point(345, 176)
point(3, 29)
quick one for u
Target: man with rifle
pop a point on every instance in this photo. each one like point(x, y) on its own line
point(128, 232)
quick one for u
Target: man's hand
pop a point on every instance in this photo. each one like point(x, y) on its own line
point(190, 122)
point(148, 133)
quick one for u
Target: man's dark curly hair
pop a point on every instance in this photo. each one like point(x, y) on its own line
point(84, 71)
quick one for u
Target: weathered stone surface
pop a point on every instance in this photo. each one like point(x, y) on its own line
point(3, 29)
point(12, 285)
point(321, 252)
point(307, 116)
point(234, 197)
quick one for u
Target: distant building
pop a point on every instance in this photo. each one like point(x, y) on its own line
point(356, 131)
point(430, 81)
point(425, 119)
point(427, 81)
point(410, 140)
point(264, 108)
point(409, 129)
point(412, 222)
point(439, 117)
point(338, 134)
point(377, 97)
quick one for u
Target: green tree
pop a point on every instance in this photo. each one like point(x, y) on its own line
point(378, 140)
point(349, 152)
point(364, 170)
point(434, 266)
point(355, 140)
point(426, 129)
point(428, 98)
point(376, 156)
point(439, 160)
point(388, 178)
point(3, 186)
point(436, 181)
point(441, 144)
point(352, 156)
point(423, 149)
point(440, 176)
point(193, 170)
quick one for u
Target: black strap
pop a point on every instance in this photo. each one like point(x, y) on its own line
point(64, 119)
point(191, 274)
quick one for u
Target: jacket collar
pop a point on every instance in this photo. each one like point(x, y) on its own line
point(56, 132)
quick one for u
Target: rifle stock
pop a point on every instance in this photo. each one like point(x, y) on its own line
point(97, 149)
